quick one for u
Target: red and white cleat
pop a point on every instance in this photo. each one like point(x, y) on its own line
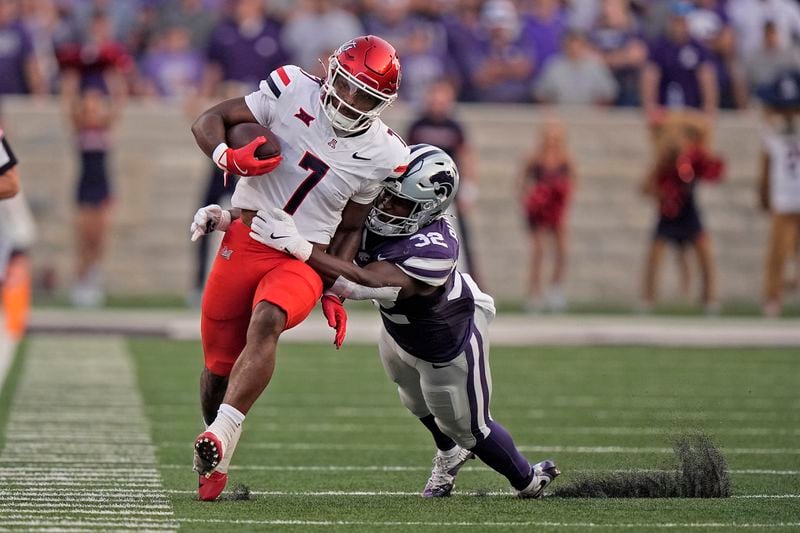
point(207, 453)
point(211, 486)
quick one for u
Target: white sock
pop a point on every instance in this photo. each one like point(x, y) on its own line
point(227, 454)
point(449, 453)
point(227, 427)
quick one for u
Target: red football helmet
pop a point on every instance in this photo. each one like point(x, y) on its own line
point(362, 81)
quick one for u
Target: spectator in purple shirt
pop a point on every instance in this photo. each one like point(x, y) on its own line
point(679, 72)
point(709, 25)
point(544, 26)
point(171, 68)
point(463, 30)
point(501, 69)
point(19, 71)
point(242, 49)
point(615, 37)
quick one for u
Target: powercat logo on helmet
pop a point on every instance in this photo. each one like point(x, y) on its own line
point(443, 184)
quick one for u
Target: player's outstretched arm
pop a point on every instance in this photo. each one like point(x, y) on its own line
point(381, 280)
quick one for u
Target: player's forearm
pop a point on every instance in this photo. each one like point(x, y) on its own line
point(332, 267)
point(345, 244)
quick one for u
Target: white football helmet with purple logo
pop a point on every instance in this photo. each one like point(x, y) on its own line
point(429, 183)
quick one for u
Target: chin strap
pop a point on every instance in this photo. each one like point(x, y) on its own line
point(344, 288)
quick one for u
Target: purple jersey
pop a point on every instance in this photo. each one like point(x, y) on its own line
point(678, 63)
point(246, 55)
point(15, 49)
point(435, 327)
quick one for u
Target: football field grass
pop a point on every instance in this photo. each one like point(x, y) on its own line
point(329, 447)
point(329, 441)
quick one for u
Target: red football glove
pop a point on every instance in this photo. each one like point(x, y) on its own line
point(242, 161)
point(337, 317)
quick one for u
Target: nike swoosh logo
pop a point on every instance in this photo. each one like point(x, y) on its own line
point(273, 236)
point(239, 170)
point(434, 365)
point(356, 156)
point(380, 257)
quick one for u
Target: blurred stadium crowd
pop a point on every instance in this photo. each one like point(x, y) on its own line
point(709, 53)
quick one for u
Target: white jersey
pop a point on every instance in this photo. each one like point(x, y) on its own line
point(784, 174)
point(320, 171)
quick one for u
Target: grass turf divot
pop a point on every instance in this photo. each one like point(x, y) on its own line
point(700, 472)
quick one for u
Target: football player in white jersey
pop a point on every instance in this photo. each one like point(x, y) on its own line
point(335, 153)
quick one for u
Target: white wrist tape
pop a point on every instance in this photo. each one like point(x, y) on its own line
point(219, 156)
point(344, 288)
point(224, 221)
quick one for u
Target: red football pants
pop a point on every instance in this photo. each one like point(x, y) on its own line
point(246, 272)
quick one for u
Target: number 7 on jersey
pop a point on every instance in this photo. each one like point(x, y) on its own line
point(318, 170)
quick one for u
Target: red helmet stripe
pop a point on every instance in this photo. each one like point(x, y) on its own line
point(283, 76)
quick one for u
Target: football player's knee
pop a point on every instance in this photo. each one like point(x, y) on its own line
point(210, 380)
point(268, 320)
point(451, 416)
point(457, 430)
point(415, 405)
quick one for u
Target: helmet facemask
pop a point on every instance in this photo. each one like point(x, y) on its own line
point(392, 223)
point(424, 191)
point(349, 103)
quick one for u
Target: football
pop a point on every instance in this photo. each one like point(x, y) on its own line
point(242, 134)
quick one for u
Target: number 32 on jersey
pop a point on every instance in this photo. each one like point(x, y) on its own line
point(432, 237)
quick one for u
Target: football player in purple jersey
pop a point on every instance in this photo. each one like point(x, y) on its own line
point(434, 341)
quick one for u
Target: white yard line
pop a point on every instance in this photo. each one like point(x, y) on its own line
point(405, 468)
point(527, 524)
point(522, 448)
point(68, 524)
point(348, 428)
point(357, 493)
point(91, 458)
